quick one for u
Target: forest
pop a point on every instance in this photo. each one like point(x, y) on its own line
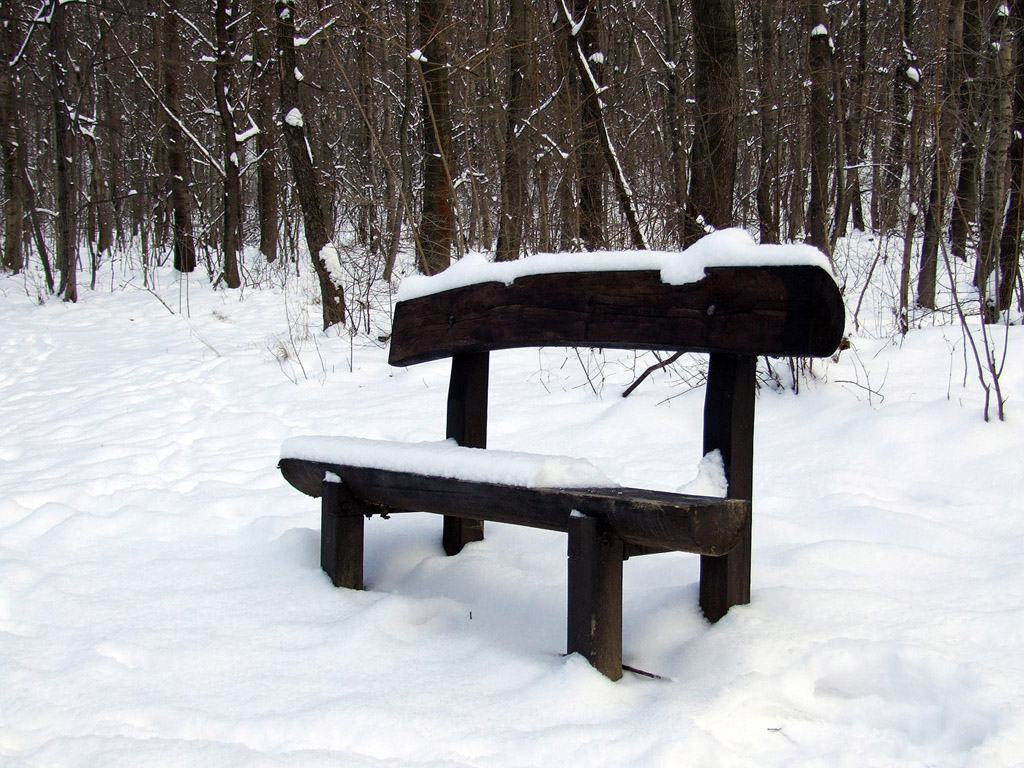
point(215, 134)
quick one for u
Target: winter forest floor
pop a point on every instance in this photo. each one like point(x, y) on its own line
point(161, 602)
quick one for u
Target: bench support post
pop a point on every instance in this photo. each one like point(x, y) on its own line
point(594, 616)
point(467, 423)
point(341, 536)
point(729, 428)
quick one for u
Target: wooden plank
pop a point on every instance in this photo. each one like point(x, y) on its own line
point(642, 518)
point(729, 428)
point(341, 536)
point(594, 615)
point(782, 311)
point(467, 423)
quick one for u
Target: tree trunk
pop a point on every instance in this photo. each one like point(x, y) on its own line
point(589, 64)
point(820, 66)
point(993, 193)
point(887, 191)
point(970, 106)
point(308, 185)
point(267, 186)
point(101, 211)
point(674, 118)
point(913, 171)
point(518, 96)
point(716, 90)
point(941, 168)
point(768, 112)
point(853, 135)
point(1010, 245)
point(585, 40)
point(10, 147)
point(225, 22)
point(437, 217)
point(67, 227)
point(174, 142)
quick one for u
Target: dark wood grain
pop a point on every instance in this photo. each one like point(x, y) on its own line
point(729, 428)
point(341, 536)
point(779, 311)
point(466, 423)
point(594, 610)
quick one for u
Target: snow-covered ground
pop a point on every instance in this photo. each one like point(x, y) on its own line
point(161, 602)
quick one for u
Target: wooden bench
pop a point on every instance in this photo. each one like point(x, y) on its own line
point(734, 313)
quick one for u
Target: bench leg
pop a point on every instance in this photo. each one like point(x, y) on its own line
point(460, 531)
point(729, 428)
point(594, 613)
point(341, 537)
point(467, 423)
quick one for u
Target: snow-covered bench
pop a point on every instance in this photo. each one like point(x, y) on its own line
point(725, 296)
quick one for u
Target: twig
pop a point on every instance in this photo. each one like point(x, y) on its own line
point(651, 369)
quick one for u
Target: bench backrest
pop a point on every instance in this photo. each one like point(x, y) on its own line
point(778, 311)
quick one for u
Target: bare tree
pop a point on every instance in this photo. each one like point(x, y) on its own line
point(518, 99)
point(263, 73)
point(1008, 273)
point(10, 145)
point(225, 23)
point(437, 216)
point(308, 185)
point(768, 109)
point(821, 121)
point(970, 108)
point(174, 139)
point(994, 189)
point(713, 155)
point(946, 117)
point(61, 73)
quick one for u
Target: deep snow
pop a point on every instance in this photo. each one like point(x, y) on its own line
point(161, 602)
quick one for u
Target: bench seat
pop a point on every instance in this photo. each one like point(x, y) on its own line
point(645, 520)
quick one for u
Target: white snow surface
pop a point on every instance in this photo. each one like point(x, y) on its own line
point(710, 480)
point(448, 459)
point(294, 118)
point(726, 247)
point(162, 604)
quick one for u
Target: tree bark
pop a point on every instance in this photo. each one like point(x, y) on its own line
point(821, 120)
point(307, 180)
point(67, 225)
point(713, 155)
point(1013, 227)
point(174, 141)
point(993, 193)
point(584, 40)
point(675, 123)
point(518, 97)
point(267, 185)
point(225, 22)
point(887, 190)
point(941, 165)
point(768, 110)
point(10, 147)
point(588, 67)
point(853, 135)
point(970, 106)
point(437, 217)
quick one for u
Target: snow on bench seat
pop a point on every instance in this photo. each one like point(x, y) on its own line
point(447, 459)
